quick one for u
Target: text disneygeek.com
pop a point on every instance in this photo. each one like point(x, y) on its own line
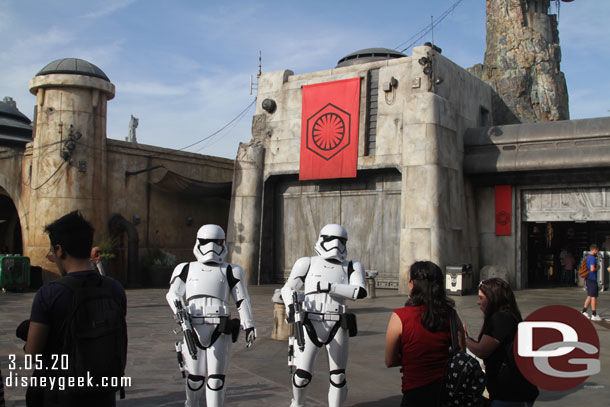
point(54, 379)
point(62, 382)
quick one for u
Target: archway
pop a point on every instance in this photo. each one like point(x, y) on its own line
point(11, 240)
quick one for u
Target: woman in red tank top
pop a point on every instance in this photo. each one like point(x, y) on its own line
point(418, 337)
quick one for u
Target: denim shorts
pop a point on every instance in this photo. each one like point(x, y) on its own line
point(592, 289)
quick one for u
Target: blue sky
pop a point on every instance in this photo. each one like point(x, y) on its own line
point(183, 67)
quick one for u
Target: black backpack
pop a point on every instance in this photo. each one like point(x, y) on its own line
point(94, 335)
point(464, 380)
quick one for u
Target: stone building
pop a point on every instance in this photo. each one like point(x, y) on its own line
point(409, 200)
point(445, 171)
point(155, 197)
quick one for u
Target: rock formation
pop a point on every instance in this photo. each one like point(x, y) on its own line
point(521, 63)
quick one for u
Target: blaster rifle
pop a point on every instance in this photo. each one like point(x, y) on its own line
point(298, 321)
point(184, 320)
point(291, 361)
point(181, 364)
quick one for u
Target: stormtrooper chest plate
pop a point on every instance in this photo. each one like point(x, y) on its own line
point(208, 281)
point(324, 271)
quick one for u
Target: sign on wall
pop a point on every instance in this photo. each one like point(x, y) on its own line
point(503, 210)
point(329, 130)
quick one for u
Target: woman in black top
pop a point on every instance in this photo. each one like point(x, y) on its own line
point(505, 384)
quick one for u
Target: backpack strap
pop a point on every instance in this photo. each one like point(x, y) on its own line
point(455, 346)
point(80, 287)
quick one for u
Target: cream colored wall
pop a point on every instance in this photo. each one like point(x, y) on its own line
point(168, 212)
point(127, 196)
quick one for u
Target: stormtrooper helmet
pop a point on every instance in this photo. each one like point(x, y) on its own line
point(332, 242)
point(210, 244)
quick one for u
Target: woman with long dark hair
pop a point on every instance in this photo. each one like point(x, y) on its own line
point(506, 385)
point(419, 337)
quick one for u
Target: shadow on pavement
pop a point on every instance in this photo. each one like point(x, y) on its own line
point(386, 402)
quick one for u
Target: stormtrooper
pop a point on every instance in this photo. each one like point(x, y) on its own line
point(328, 280)
point(199, 296)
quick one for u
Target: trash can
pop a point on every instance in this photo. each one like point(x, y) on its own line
point(281, 330)
point(458, 279)
point(371, 284)
point(14, 272)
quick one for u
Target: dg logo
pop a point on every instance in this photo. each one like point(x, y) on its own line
point(557, 348)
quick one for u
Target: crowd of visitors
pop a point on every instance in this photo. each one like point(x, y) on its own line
point(424, 338)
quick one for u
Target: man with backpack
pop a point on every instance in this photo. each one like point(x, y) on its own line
point(591, 284)
point(77, 325)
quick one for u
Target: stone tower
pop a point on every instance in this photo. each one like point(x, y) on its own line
point(522, 60)
point(67, 169)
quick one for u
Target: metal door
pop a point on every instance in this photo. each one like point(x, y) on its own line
point(368, 207)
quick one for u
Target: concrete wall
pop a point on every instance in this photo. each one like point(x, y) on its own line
point(12, 185)
point(497, 254)
point(167, 220)
point(163, 215)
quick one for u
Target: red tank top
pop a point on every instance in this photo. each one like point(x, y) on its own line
point(424, 353)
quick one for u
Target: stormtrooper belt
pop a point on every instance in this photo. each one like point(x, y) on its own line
point(207, 320)
point(345, 321)
point(224, 325)
point(323, 317)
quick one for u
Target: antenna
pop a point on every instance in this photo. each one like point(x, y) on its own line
point(260, 63)
point(253, 84)
point(432, 28)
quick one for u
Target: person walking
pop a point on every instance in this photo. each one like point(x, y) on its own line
point(591, 285)
point(418, 337)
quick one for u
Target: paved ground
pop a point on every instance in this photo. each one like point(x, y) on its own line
point(259, 376)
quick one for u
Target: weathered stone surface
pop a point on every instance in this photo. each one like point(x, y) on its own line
point(522, 62)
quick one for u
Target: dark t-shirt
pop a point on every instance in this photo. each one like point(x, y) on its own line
point(504, 381)
point(51, 306)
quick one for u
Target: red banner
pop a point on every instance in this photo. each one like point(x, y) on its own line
point(329, 130)
point(503, 210)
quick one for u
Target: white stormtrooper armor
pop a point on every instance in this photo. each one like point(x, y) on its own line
point(328, 280)
point(203, 288)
